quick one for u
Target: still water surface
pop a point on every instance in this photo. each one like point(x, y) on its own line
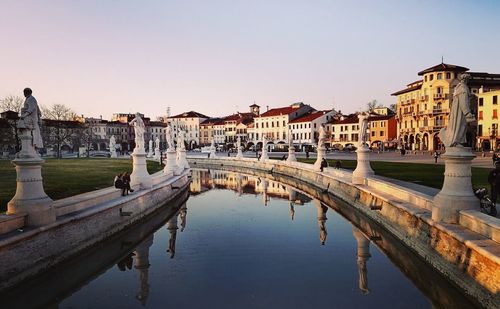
point(243, 241)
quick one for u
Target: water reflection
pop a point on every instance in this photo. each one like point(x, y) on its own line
point(238, 254)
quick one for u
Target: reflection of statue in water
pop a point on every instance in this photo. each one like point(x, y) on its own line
point(30, 119)
point(292, 211)
point(460, 115)
point(142, 266)
point(183, 216)
point(363, 126)
point(126, 262)
point(172, 229)
point(139, 129)
point(363, 255)
point(321, 211)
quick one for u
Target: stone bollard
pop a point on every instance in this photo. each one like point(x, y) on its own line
point(457, 193)
point(30, 197)
point(140, 175)
point(363, 168)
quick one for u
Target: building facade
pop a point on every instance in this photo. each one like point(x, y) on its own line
point(305, 129)
point(190, 123)
point(488, 137)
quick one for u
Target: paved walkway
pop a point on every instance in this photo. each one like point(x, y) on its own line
point(392, 156)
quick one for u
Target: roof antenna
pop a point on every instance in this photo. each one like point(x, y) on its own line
point(442, 59)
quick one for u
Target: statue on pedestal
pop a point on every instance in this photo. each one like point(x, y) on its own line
point(460, 114)
point(170, 139)
point(112, 143)
point(29, 124)
point(363, 127)
point(139, 129)
point(180, 140)
point(321, 137)
point(290, 139)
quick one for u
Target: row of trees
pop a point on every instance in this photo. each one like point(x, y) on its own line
point(60, 127)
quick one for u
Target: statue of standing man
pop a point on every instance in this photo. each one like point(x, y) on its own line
point(31, 118)
point(363, 127)
point(139, 129)
point(460, 114)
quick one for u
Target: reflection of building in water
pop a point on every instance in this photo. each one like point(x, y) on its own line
point(203, 180)
point(183, 216)
point(172, 229)
point(321, 210)
point(142, 265)
point(363, 256)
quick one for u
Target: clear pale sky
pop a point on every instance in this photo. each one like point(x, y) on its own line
point(216, 57)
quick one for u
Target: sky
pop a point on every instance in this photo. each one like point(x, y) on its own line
point(218, 57)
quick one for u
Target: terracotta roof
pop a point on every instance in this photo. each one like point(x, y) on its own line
point(380, 117)
point(239, 116)
point(210, 121)
point(408, 89)
point(308, 117)
point(353, 118)
point(190, 114)
point(157, 124)
point(280, 111)
point(444, 67)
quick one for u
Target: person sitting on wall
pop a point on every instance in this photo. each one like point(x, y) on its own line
point(494, 180)
point(118, 182)
point(126, 184)
point(323, 164)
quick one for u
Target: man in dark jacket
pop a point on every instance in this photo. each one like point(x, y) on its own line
point(494, 180)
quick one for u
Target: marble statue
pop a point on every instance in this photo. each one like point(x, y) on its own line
point(238, 142)
point(170, 139)
point(180, 140)
point(363, 127)
point(150, 145)
point(31, 118)
point(460, 114)
point(112, 143)
point(157, 143)
point(139, 129)
point(321, 138)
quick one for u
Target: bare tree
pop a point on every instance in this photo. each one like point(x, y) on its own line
point(373, 105)
point(11, 103)
point(58, 125)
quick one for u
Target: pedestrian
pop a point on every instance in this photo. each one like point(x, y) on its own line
point(494, 180)
point(323, 164)
point(494, 158)
point(338, 164)
point(436, 155)
point(307, 154)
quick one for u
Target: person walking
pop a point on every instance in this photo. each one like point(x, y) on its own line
point(436, 155)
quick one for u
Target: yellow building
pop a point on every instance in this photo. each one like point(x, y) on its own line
point(488, 136)
point(423, 106)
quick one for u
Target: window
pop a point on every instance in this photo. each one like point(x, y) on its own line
point(480, 130)
point(495, 100)
point(439, 76)
point(425, 78)
point(381, 133)
point(481, 101)
point(373, 133)
point(495, 115)
point(431, 77)
point(448, 75)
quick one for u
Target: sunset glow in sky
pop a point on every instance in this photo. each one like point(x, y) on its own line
point(217, 57)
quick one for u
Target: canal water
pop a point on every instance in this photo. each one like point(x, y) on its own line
point(245, 241)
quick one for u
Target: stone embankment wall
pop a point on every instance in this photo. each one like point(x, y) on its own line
point(82, 221)
point(468, 254)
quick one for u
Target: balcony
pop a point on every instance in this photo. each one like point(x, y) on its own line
point(440, 96)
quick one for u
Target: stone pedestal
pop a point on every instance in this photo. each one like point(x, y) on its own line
point(363, 168)
point(291, 155)
point(113, 153)
point(321, 155)
point(457, 193)
point(239, 155)
point(264, 155)
point(363, 256)
point(30, 198)
point(182, 162)
point(171, 165)
point(140, 175)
